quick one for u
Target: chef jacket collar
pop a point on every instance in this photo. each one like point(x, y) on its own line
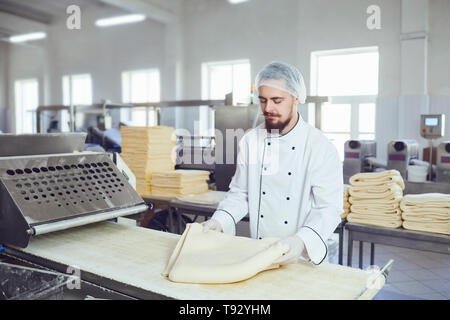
point(291, 133)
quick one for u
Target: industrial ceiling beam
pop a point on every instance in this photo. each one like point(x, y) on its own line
point(23, 11)
point(144, 7)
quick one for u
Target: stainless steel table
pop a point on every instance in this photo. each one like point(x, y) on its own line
point(400, 237)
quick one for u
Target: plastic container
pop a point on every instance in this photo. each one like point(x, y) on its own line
point(23, 283)
point(417, 173)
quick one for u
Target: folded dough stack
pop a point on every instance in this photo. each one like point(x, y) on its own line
point(375, 198)
point(177, 183)
point(147, 150)
point(346, 203)
point(426, 212)
point(216, 257)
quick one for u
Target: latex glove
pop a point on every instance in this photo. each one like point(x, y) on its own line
point(296, 246)
point(212, 224)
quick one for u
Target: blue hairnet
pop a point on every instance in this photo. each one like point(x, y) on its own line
point(282, 76)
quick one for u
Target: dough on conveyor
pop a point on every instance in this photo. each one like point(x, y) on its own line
point(428, 212)
point(215, 257)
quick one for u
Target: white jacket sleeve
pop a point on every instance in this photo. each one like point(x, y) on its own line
point(327, 205)
point(235, 205)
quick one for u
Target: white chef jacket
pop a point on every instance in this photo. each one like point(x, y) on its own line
point(288, 184)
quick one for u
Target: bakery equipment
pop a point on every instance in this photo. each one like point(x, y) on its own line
point(401, 154)
point(443, 162)
point(360, 156)
point(432, 126)
point(43, 193)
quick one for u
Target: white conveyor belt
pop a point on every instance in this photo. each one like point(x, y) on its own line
point(137, 256)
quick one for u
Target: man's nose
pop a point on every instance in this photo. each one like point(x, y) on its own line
point(269, 107)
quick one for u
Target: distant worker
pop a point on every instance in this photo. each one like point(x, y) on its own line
point(288, 175)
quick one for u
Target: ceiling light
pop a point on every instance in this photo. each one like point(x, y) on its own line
point(129, 18)
point(27, 37)
point(236, 1)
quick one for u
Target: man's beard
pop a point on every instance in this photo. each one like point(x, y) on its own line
point(276, 127)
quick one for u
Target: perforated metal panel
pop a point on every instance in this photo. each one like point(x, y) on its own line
point(52, 188)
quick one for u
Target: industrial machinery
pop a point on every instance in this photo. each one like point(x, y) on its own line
point(43, 191)
point(443, 163)
point(432, 126)
point(401, 154)
point(360, 156)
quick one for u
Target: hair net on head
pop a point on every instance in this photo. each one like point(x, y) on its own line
point(282, 76)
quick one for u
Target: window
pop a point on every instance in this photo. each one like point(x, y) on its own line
point(220, 79)
point(77, 89)
point(140, 86)
point(26, 99)
point(349, 77)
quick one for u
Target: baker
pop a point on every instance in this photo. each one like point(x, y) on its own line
point(288, 175)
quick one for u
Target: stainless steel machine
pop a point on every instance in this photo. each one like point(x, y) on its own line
point(360, 156)
point(443, 163)
point(43, 191)
point(401, 154)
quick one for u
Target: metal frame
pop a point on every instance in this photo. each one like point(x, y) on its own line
point(394, 237)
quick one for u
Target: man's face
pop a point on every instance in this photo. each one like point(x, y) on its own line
point(277, 106)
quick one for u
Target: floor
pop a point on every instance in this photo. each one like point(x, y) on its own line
point(416, 274)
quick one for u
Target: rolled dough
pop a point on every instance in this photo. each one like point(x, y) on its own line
point(215, 257)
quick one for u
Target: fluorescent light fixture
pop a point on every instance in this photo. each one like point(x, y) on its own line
point(129, 18)
point(27, 37)
point(236, 1)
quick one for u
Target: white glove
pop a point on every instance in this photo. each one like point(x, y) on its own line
point(296, 246)
point(212, 224)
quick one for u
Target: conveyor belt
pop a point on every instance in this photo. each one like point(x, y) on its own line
point(130, 260)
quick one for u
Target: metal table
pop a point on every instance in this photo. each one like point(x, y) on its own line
point(400, 237)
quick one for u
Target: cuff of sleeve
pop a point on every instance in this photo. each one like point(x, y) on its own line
point(226, 221)
point(315, 247)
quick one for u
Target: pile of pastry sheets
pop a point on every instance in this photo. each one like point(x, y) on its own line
point(147, 150)
point(346, 203)
point(375, 198)
point(177, 183)
point(426, 212)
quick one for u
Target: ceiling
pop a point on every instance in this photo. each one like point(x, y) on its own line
point(43, 11)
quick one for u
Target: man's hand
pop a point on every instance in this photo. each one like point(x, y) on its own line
point(296, 246)
point(212, 224)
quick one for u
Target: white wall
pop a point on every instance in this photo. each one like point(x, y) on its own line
point(3, 85)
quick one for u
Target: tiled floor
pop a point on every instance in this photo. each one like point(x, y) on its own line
point(415, 274)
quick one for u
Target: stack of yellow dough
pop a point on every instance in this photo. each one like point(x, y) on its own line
point(147, 150)
point(177, 183)
point(375, 198)
point(428, 212)
point(346, 203)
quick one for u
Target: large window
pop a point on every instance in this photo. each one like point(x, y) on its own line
point(349, 78)
point(26, 101)
point(77, 89)
point(218, 80)
point(140, 86)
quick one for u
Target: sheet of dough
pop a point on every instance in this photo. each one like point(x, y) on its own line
point(438, 227)
point(374, 221)
point(346, 203)
point(385, 191)
point(137, 256)
point(377, 178)
point(215, 257)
